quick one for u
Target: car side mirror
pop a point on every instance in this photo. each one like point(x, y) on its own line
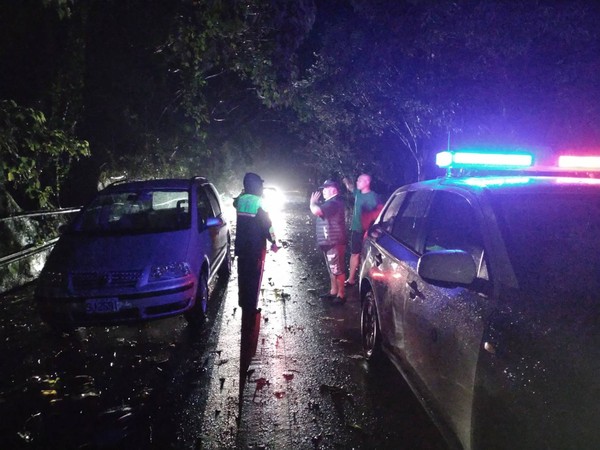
point(447, 267)
point(214, 222)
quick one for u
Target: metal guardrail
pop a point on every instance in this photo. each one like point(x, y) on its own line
point(26, 253)
point(14, 257)
point(41, 213)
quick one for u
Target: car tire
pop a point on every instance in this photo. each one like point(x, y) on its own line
point(196, 315)
point(369, 328)
point(225, 269)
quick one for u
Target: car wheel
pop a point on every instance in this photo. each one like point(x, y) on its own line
point(369, 327)
point(196, 315)
point(225, 269)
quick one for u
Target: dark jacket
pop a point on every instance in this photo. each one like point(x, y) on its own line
point(331, 228)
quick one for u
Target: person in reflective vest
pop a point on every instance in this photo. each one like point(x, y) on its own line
point(253, 230)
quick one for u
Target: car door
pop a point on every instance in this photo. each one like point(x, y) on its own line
point(380, 269)
point(444, 325)
point(218, 232)
point(207, 236)
point(393, 255)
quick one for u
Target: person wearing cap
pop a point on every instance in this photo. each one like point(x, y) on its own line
point(253, 230)
point(366, 208)
point(331, 235)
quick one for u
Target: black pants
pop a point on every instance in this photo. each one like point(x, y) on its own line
point(250, 271)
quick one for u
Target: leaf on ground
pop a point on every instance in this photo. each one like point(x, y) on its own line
point(261, 383)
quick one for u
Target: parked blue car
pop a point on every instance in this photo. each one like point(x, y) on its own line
point(138, 251)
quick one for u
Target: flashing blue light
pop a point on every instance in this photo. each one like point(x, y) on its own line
point(483, 160)
point(443, 159)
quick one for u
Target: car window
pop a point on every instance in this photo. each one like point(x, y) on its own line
point(391, 211)
point(204, 208)
point(407, 226)
point(170, 210)
point(552, 242)
point(213, 199)
point(135, 211)
point(452, 225)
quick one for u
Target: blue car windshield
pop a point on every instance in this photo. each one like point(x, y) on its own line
point(148, 211)
point(553, 241)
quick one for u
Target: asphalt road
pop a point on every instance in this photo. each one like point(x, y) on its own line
point(165, 385)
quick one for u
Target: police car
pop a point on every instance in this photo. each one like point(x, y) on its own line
point(484, 291)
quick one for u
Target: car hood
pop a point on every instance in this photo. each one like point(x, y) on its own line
point(541, 381)
point(80, 252)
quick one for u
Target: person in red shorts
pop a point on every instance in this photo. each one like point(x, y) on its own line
point(331, 235)
point(366, 208)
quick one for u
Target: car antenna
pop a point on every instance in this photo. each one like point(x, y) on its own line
point(448, 172)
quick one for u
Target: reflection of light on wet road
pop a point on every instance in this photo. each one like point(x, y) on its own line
point(265, 378)
point(277, 270)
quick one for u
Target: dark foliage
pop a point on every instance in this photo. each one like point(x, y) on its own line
point(217, 88)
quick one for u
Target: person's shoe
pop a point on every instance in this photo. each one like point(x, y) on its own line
point(326, 296)
point(340, 300)
point(349, 283)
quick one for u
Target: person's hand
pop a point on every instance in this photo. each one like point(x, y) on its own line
point(348, 183)
point(315, 197)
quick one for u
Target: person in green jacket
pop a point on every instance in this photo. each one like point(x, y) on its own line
point(253, 230)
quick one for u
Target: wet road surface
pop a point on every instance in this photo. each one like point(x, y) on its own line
point(165, 385)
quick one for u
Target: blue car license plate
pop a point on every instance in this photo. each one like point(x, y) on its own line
point(101, 305)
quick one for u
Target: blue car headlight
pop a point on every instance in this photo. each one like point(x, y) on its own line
point(169, 271)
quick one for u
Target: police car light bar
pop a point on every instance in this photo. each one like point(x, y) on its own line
point(483, 160)
point(579, 162)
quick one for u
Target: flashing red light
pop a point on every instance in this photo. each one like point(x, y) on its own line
point(579, 162)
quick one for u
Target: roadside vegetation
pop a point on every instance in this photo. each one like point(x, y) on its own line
point(96, 90)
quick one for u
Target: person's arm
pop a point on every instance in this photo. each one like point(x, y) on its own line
point(368, 217)
point(273, 239)
point(236, 199)
point(314, 204)
point(348, 183)
point(268, 226)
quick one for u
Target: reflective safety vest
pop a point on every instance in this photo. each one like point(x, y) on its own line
point(253, 227)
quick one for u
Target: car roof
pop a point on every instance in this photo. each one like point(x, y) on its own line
point(163, 183)
point(507, 184)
